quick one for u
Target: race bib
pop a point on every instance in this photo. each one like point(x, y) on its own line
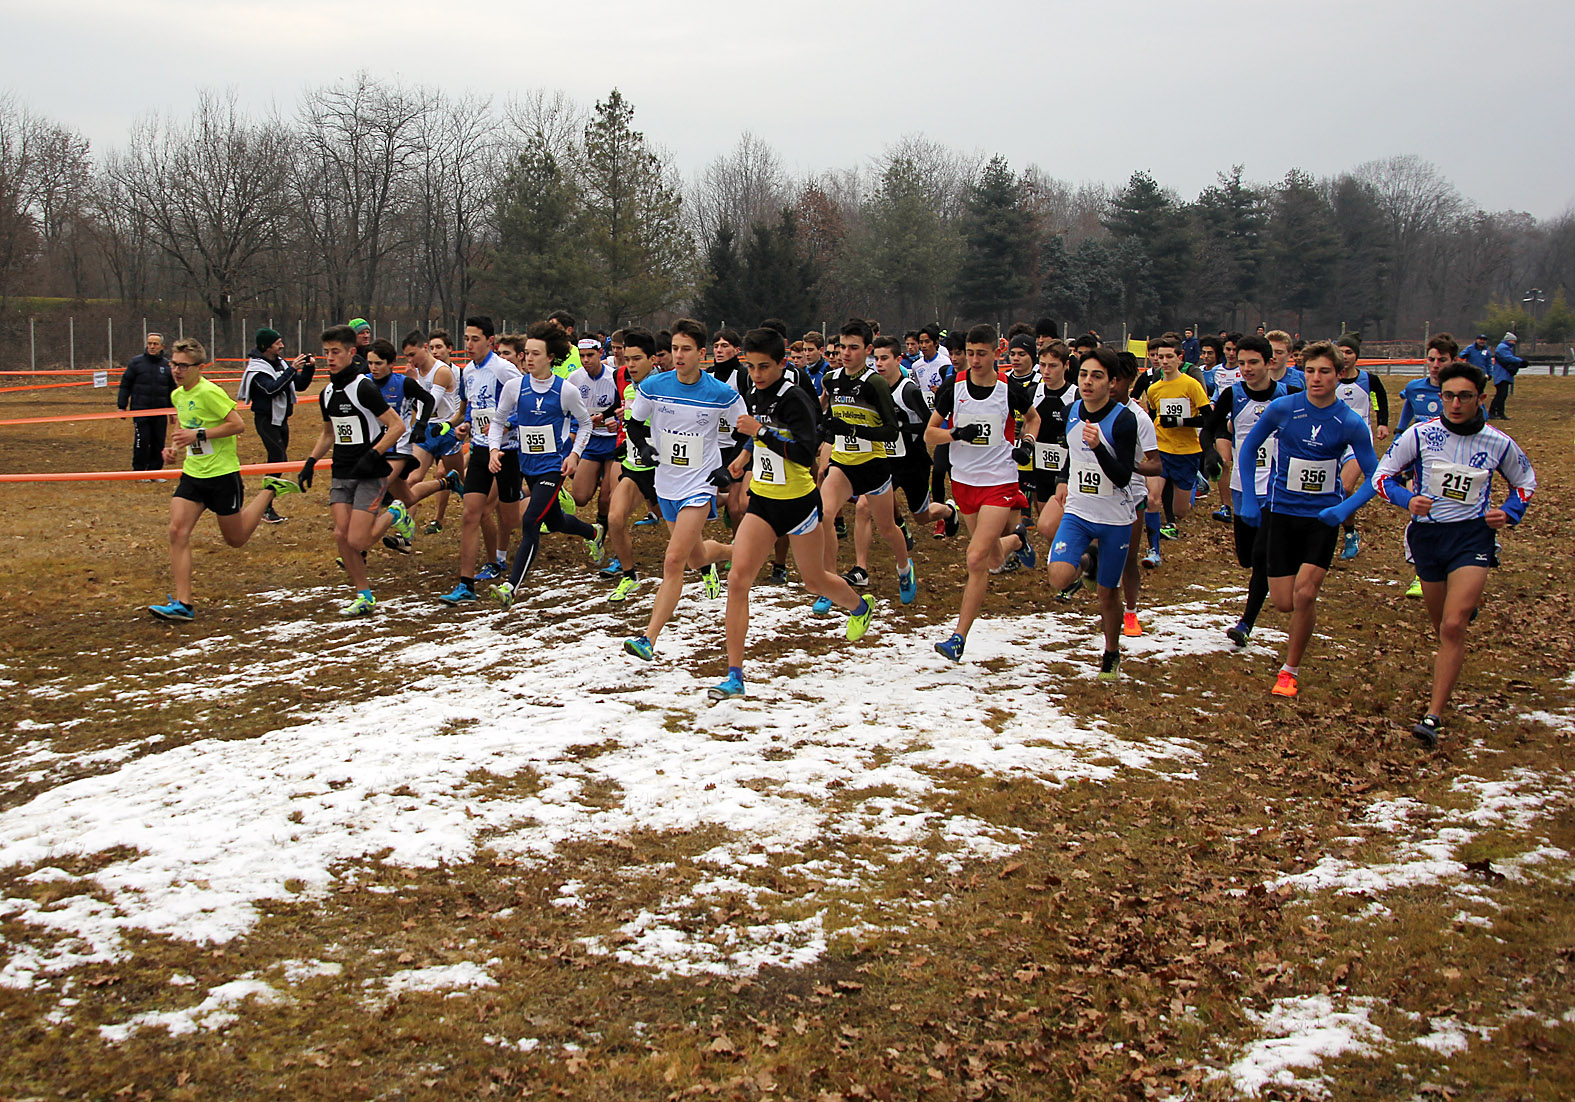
point(537, 440)
point(853, 445)
point(769, 466)
point(1049, 457)
point(480, 422)
point(199, 447)
point(1092, 481)
point(681, 449)
point(348, 430)
point(897, 448)
point(1303, 476)
point(1456, 481)
point(987, 434)
point(1175, 407)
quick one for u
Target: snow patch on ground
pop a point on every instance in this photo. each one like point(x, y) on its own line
point(219, 826)
point(214, 1012)
point(1299, 1034)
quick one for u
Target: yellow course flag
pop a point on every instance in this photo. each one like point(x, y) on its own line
point(1137, 348)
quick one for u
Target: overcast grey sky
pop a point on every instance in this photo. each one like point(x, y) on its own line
point(1089, 91)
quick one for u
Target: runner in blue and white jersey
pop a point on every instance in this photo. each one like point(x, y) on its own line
point(1311, 432)
point(680, 412)
point(1452, 537)
point(552, 428)
point(597, 383)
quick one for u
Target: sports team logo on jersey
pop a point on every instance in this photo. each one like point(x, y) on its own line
point(1434, 437)
point(1481, 461)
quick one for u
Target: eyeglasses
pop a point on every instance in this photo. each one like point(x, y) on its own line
point(1467, 396)
point(177, 363)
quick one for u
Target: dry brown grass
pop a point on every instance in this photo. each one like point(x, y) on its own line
point(1117, 954)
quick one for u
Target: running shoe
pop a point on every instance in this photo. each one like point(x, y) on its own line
point(954, 521)
point(1223, 514)
point(433, 527)
point(404, 524)
point(730, 687)
point(908, 584)
point(363, 605)
point(1130, 626)
point(598, 543)
point(822, 606)
point(1110, 666)
point(778, 574)
point(1152, 559)
point(1202, 489)
point(395, 542)
point(489, 573)
point(858, 576)
point(1415, 589)
point(271, 517)
point(613, 569)
point(503, 593)
point(340, 563)
point(566, 501)
point(1026, 554)
point(622, 590)
point(1169, 532)
point(456, 485)
point(1067, 593)
point(1238, 634)
point(460, 594)
point(859, 622)
point(175, 610)
point(1284, 684)
point(841, 525)
point(279, 486)
point(907, 536)
point(952, 648)
point(940, 529)
point(1427, 730)
point(713, 582)
point(650, 519)
point(1352, 547)
point(640, 647)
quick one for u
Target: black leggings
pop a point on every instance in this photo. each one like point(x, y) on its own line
point(275, 438)
point(941, 463)
point(541, 507)
point(1252, 551)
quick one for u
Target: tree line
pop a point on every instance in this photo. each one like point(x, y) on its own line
point(375, 197)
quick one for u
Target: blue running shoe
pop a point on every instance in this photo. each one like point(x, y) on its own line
point(730, 687)
point(1223, 514)
point(822, 606)
point(612, 570)
point(952, 648)
point(640, 647)
point(175, 610)
point(1353, 546)
point(1027, 556)
point(455, 484)
point(460, 594)
point(650, 519)
point(908, 584)
point(1239, 634)
point(489, 573)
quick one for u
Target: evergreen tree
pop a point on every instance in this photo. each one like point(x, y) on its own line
point(1061, 290)
point(1149, 217)
point(1230, 220)
point(997, 228)
point(908, 250)
point(537, 264)
point(1304, 245)
point(722, 301)
point(1361, 291)
point(631, 226)
point(777, 280)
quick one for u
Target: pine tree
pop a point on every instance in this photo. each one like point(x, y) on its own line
point(1148, 216)
point(632, 230)
point(996, 276)
point(722, 302)
point(537, 264)
point(1304, 245)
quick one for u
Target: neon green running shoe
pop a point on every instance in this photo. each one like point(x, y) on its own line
point(280, 486)
point(859, 622)
point(597, 544)
point(1416, 588)
point(713, 582)
point(363, 605)
point(503, 593)
point(623, 589)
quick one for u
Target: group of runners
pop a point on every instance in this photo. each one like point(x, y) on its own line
point(1088, 448)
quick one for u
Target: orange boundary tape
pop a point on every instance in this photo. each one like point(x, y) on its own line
point(132, 476)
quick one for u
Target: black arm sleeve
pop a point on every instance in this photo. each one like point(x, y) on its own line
point(944, 395)
point(1218, 419)
point(1019, 398)
point(880, 395)
point(1197, 420)
point(1123, 434)
point(794, 428)
point(1381, 396)
point(424, 401)
point(638, 432)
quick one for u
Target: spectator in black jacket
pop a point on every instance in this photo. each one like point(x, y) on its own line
point(147, 384)
point(271, 385)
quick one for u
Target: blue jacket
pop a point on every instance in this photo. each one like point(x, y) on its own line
point(1506, 363)
point(1479, 357)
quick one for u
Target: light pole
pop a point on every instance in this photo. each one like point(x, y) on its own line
point(1533, 299)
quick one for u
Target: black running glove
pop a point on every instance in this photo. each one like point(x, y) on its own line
point(304, 479)
point(373, 464)
point(966, 433)
point(1024, 451)
point(721, 478)
point(1169, 421)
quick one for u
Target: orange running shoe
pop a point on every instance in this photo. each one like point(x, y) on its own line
point(1284, 685)
point(1130, 626)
